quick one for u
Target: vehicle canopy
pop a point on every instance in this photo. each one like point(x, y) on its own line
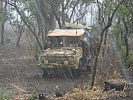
point(66, 32)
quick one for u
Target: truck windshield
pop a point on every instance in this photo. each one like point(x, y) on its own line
point(71, 41)
point(55, 41)
point(66, 41)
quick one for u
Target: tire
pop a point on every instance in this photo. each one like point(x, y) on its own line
point(80, 63)
point(44, 73)
point(89, 67)
point(76, 73)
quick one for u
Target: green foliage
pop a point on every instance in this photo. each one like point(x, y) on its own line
point(130, 61)
point(108, 6)
point(95, 29)
point(8, 37)
point(86, 1)
point(121, 48)
point(3, 17)
point(131, 54)
point(5, 95)
point(117, 29)
point(123, 11)
point(123, 51)
point(130, 58)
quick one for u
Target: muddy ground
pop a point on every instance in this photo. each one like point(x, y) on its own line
point(19, 71)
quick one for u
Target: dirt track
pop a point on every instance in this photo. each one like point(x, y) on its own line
point(19, 69)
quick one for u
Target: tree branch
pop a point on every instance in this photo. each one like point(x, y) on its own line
point(22, 16)
point(73, 9)
point(110, 19)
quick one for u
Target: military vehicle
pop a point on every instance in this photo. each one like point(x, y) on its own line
point(71, 52)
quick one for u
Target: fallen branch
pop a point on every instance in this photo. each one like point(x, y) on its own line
point(18, 88)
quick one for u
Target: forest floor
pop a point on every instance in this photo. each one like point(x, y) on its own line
point(19, 73)
point(110, 68)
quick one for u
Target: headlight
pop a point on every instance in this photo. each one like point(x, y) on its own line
point(70, 58)
point(65, 62)
point(45, 62)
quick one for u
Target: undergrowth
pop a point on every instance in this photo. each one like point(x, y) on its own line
point(5, 95)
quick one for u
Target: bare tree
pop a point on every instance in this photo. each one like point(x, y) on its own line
point(126, 37)
point(24, 19)
point(105, 28)
point(2, 21)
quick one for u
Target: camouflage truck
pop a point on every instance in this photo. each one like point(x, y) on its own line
point(71, 52)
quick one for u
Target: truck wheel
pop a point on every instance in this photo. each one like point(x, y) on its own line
point(44, 73)
point(76, 73)
point(89, 67)
point(80, 64)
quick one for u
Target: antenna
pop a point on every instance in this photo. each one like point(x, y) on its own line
point(76, 32)
point(76, 27)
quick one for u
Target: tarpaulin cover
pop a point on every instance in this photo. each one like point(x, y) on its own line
point(66, 32)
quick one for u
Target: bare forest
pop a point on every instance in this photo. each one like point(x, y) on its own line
point(66, 49)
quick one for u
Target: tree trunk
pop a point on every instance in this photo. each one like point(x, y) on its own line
point(58, 20)
point(126, 44)
point(2, 23)
point(18, 39)
point(96, 59)
point(28, 26)
point(126, 38)
point(63, 16)
point(2, 33)
point(109, 23)
point(105, 41)
point(3, 10)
